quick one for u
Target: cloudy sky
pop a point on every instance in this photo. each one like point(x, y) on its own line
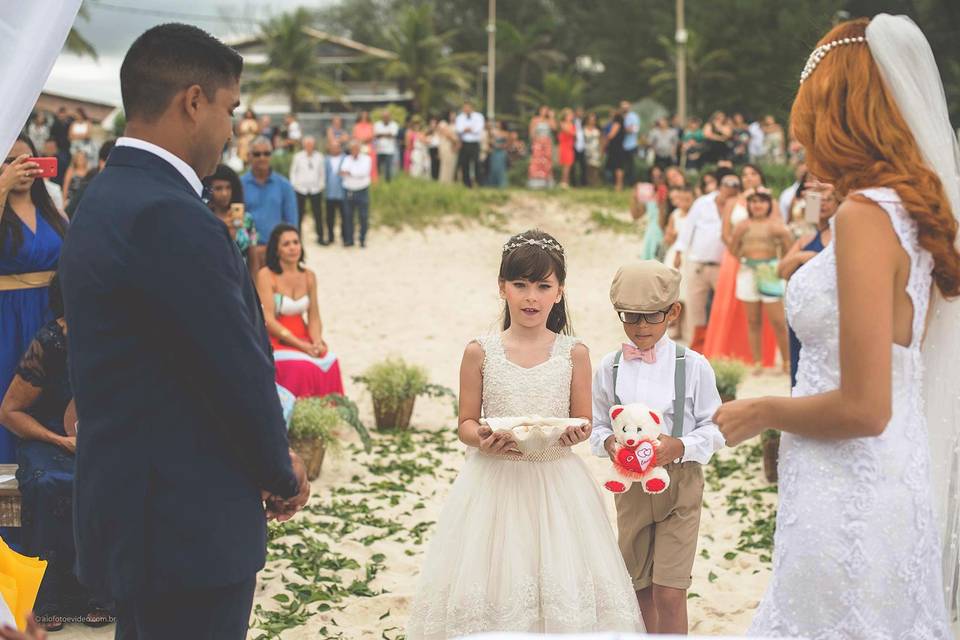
point(115, 24)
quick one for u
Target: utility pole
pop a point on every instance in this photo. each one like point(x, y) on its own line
point(681, 39)
point(491, 58)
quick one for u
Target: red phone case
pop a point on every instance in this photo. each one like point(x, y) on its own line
point(48, 166)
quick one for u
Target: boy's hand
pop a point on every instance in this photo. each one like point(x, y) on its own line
point(670, 449)
point(610, 445)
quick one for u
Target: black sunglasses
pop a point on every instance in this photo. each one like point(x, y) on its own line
point(260, 154)
point(654, 317)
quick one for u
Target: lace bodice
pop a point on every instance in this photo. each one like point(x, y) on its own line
point(856, 513)
point(512, 390)
point(811, 307)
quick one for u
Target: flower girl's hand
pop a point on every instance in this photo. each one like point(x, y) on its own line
point(499, 443)
point(741, 420)
point(574, 435)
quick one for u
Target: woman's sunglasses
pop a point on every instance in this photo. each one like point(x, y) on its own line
point(655, 317)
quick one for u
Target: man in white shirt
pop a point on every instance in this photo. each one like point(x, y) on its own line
point(579, 177)
point(385, 142)
point(469, 125)
point(702, 243)
point(309, 179)
point(788, 194)
point(355, 174)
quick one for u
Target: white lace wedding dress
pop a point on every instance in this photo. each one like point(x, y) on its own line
point(523, 545)
point(856, 551)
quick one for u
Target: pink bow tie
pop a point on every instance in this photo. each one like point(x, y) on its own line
point(630, 352)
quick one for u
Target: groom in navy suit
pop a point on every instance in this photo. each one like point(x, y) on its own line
point(181, 438)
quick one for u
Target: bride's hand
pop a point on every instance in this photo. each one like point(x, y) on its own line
point(499, 443)
point(574, 435)
point(741, 420)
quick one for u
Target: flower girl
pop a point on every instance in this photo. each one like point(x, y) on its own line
point(523, 543)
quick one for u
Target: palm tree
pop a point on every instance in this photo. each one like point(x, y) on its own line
point(559, 90)
point(702, 67)
point(76, 43)
point(424, 64)
point(518, 50)
point(292, 67)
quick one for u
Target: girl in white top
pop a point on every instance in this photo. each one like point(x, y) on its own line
point(523, 543)
point(681, 198)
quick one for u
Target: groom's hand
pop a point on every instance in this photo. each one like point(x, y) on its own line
point(281, 509)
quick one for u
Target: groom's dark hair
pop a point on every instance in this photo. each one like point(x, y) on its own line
point(169, 58)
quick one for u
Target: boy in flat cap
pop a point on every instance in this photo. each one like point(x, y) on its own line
point(658, 533)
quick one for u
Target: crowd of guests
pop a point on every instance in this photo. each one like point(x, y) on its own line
point(261, 211)
point(736, 245)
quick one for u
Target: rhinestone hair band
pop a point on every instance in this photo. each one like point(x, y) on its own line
point(821, 51)
point(544, 244)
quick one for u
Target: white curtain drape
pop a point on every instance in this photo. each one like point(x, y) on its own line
point(32, 34)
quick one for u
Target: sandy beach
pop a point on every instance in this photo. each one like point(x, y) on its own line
point(348, 567)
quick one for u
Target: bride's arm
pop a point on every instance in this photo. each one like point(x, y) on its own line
point(867, 267)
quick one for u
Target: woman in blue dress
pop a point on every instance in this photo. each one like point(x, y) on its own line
point(31, 234)
point(38, 408)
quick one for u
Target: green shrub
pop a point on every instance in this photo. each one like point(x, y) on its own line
point(318, 418)
point(729, 375)
point(393, 381)
point(417, 204)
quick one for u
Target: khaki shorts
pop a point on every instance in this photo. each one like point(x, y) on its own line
point(658, 533)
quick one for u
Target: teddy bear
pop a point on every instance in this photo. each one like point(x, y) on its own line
point(636, 429)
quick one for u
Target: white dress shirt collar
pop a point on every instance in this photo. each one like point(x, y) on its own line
point(185, 170)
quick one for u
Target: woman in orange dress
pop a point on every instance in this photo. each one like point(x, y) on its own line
point(288, 292)
point(363, 131)
point(727, 334)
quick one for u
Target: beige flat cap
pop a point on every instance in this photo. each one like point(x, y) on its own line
point(645, 287)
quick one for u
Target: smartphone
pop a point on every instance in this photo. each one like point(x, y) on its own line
point(48, 166)
point(811, 207)
point(236, 214)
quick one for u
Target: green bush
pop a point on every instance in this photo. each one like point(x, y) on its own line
point(318, 418)
point(315, 419)
point(393, 381)
point(729, 374)
point(417, 203)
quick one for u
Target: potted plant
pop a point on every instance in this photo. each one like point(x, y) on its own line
point(394, 386)
point(313, 428)
point(729, 374)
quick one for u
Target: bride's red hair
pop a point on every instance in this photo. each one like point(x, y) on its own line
point(856, 138)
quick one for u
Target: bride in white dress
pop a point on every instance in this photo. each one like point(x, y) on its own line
point(859, 552)
point(523, 543)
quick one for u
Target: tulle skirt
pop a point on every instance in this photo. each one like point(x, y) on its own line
point(523, 546)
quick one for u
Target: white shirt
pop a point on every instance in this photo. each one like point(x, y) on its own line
point(755, 147)
point(358, 172)
point(307, 173)
point(653, 385)
point(701, 240)
point(293, 131)
point(786, 199)
point(475, 122)
point(185, 170)
point(387, 145)
point(580, 142)
point(56, 194)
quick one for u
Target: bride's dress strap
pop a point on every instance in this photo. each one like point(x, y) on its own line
point(920, 278)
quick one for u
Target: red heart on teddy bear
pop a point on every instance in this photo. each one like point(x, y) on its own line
point(636, 460)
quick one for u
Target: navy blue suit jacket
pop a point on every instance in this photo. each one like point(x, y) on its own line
point(171, 367)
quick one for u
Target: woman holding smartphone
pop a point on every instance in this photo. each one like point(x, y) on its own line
point(226, 202)
point(31, 234)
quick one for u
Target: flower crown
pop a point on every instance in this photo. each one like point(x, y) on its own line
point(821, 51)
point(544, 243)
